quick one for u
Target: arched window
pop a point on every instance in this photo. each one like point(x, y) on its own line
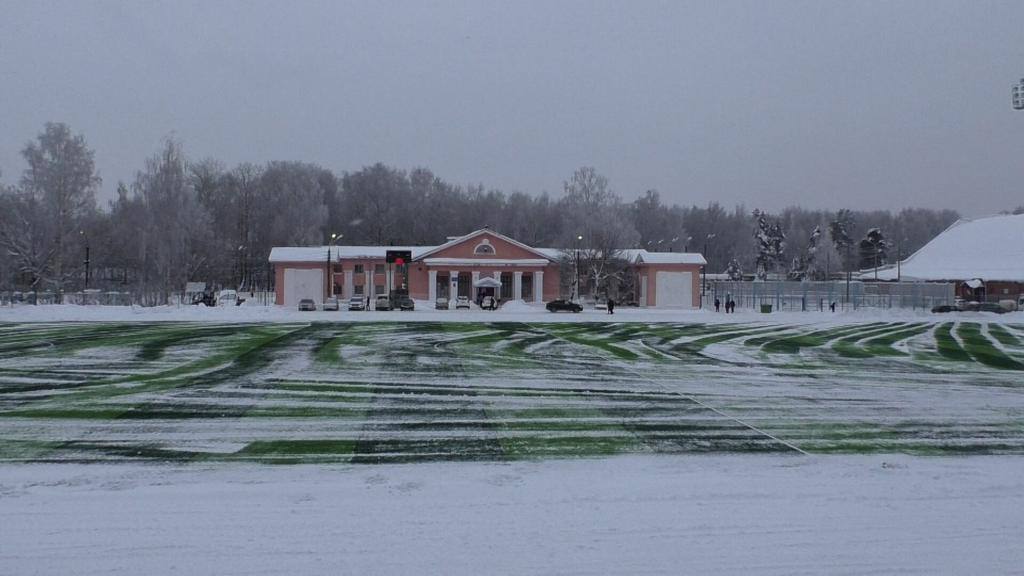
point(484, 248)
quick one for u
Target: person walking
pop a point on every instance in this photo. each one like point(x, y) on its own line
point(611, 306)
point(718, 304)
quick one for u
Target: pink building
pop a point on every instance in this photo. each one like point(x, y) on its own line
point(480, 263)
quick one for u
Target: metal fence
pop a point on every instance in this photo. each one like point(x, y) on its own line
point(114, 298)
point(817, 296)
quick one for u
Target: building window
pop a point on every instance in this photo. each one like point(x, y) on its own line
point(379, 290)
point(358, 289)
point(378, 269)
point(337, 269)
point(358, 268)
point(484, 248)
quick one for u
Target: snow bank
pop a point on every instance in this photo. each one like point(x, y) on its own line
point(425, 312)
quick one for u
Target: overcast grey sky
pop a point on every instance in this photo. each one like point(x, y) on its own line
point(825, 104)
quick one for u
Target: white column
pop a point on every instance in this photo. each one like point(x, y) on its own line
point(453, 291)
point(538, 286)
point(432, 285)
point(348, 283)
point(368, 287)
point(643, 290)
point(517, 285)
point(476, 277)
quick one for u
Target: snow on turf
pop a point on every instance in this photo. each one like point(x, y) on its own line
point(626, 515)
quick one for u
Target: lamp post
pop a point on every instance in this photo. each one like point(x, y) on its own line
point(704, 287)
point(86, 262)
point(330, 266)
point(576, 290)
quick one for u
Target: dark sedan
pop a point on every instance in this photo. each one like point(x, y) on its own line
point(563, 306)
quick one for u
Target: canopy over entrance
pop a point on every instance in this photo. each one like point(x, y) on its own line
point(487, 282)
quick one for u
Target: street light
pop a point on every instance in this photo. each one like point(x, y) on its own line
point(576, 290)
point(330, 268)
point(704, 288)
point(86, 238)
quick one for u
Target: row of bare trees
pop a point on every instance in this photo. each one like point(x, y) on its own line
point(182, 220)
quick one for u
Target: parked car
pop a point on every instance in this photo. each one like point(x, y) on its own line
point(992, 307)
point(331, 304)
point(943, 309)
point(382, 303)
point(357, 303)
point(441, 303)
point(488, 303)
point(563, 305)
point(406, 303)
point(227, 298)
point(307, 305)
point(462, 302)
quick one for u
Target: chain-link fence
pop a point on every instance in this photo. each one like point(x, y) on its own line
point(818, 296)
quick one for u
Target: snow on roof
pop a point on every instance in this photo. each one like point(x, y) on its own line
point(639, 254)
point(319, 253)
point(460, 239)
point(670, 258)
point(990, 248)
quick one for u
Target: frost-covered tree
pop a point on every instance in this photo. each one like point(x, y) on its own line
point(177, 228)
point(61, 181)
point(804, 265)
point(733, 270)
point(839, 231)
point(598, 224)
point(770, 244)
point(873, 249)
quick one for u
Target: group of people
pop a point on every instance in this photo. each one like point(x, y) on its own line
point(730, 305)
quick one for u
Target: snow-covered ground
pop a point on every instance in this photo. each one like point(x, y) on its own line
point(518, 312)
point(775, 514)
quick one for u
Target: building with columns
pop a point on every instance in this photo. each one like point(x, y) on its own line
point(480, 263)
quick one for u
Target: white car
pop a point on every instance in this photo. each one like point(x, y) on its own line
point(382, 303)
point(331, 304)
point(227, 298)
point(462, 302)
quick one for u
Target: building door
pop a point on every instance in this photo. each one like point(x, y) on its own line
point(302, 283)
point(674, 289)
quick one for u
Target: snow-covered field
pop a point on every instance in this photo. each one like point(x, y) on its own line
point(624, 515)
point(657, 443)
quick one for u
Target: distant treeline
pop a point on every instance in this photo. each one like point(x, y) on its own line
point(199, 220)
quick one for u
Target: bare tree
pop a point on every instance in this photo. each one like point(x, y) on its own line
point(61, 177)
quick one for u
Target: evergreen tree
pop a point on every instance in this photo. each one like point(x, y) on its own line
point(770, 244)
